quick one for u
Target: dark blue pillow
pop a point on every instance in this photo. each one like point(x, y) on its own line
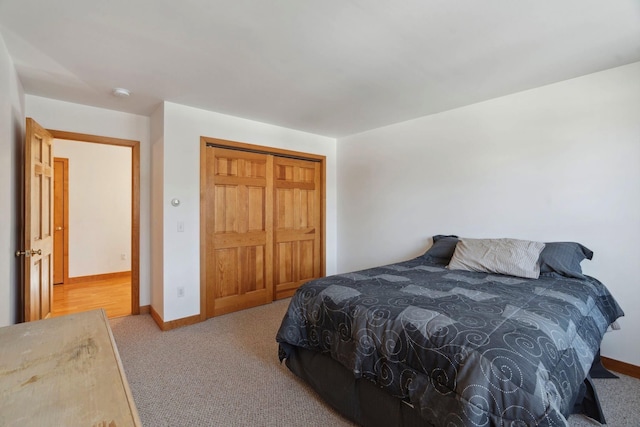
point(564, 258)
point(442, 250)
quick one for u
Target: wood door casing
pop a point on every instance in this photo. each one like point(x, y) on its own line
point(239, 232)
point(297, 224)
point(135, 200)
point(60, 220)
point(38, 233)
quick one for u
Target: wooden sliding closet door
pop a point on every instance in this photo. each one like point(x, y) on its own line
point(239, 236)
point(297, 227)
point(262, 224)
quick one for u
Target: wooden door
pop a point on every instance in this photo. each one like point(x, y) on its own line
point(239, 230)
point(60, 220)
point(297, 228)
point(38, 222)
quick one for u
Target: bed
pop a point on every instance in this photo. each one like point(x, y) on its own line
point(435, 341)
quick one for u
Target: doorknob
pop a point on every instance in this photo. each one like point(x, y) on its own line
point(28, 252)
point(58, 228)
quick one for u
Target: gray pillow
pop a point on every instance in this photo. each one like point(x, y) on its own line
point(442, 249)
point(503, 256)
point(564, 258)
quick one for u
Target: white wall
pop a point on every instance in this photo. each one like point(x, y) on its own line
point(183, 127)
point(99, 207)
point(11, 152)
point(65, 116)
point(561, 162)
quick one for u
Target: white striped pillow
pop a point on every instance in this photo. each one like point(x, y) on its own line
point(503, 256)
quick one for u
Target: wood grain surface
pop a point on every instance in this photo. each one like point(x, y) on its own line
point(63, 371)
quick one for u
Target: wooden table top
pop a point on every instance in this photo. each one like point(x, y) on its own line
point(64, 371)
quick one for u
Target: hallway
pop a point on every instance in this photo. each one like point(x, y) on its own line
point(114, 295)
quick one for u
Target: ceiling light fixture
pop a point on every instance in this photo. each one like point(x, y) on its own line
point(121, 92)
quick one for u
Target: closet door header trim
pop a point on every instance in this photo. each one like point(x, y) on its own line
point(241, 146)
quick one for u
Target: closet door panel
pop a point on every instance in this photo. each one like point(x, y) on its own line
point(297, 227)
point(239, 231)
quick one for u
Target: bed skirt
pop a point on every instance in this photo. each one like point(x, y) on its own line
point(358, 399)
point(366, 404)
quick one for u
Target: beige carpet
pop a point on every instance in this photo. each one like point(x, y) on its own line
point(225, 372)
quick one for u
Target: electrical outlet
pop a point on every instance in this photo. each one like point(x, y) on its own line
point(180, 291)
point(123, 257)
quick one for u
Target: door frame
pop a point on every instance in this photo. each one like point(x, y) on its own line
point(135, 200)
point(65, 217)
point(242, 146)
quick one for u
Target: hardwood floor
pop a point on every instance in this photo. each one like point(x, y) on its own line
point(114, 295)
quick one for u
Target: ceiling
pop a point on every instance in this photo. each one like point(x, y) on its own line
point(330, 67)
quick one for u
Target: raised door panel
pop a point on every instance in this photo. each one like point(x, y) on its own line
point(307, 262)
point(297, 224)
point(240, 270)
point(239, 231)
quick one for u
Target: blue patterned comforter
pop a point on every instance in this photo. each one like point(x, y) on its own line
point(466, 348)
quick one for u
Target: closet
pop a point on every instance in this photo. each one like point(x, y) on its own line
point(262, 221)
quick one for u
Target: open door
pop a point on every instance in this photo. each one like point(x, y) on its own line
point(38, 223)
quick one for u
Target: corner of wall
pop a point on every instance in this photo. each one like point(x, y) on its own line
point(12, 123)
point(17, 223)
point(157, 214)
